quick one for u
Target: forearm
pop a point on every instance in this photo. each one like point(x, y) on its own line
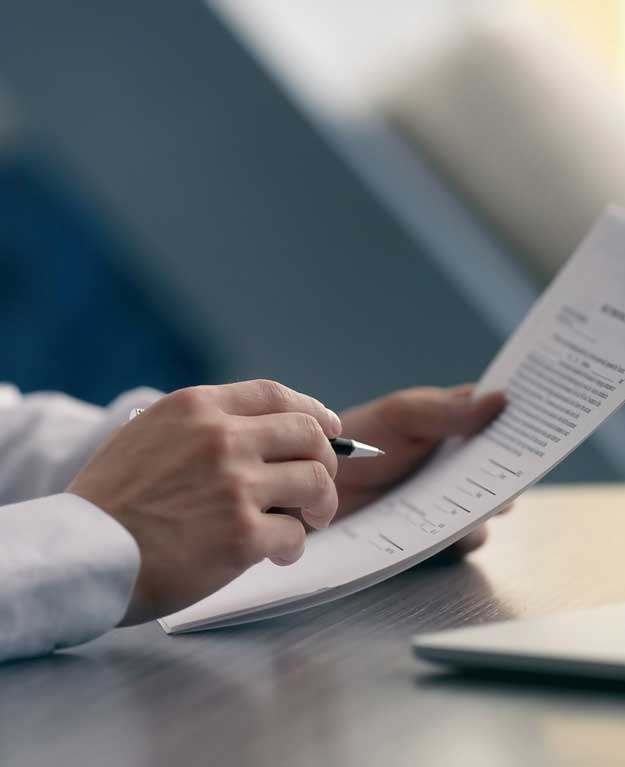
point(67, 572)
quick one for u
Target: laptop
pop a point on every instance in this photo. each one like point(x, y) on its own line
point(586, 643)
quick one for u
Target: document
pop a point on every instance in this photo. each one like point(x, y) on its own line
point(564, 374)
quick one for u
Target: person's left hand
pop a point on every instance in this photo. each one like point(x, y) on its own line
point(408, 425)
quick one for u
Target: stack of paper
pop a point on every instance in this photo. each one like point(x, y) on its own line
point(564, 373)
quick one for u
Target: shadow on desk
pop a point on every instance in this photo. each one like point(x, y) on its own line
point(519, 683)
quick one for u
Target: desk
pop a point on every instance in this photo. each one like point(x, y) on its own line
point(337, 685)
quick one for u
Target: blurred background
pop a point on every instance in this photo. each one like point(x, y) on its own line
point(347, 197)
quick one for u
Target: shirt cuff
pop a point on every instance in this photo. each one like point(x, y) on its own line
point(67, 572)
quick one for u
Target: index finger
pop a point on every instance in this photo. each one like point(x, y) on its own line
point(263, 397)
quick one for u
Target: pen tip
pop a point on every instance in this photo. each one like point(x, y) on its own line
point(381, 452)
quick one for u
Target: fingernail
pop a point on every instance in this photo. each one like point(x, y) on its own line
point(282, 562)
point(337, 426)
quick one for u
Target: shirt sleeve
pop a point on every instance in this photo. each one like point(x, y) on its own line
point(67, 569)
point(67, 572)
point(46, 438)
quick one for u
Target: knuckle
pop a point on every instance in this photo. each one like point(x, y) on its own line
point(333, 461)
point(187, 402)
point(275, 393)
point(402, 397)
point(244, 540)
point(221, 438)
point(297, 542)
point(299, 537)
point(235, 489)
point(310, 428)
point(293, 542)
point(319, 477)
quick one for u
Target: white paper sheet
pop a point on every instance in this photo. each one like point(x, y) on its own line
point(564, 373)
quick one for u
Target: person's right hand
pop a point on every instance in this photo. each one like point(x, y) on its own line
point(191, 477)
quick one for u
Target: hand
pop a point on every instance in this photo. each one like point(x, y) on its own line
point(408, 425)
point(191, 477)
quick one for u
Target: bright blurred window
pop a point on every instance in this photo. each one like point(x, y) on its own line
point(599, 26)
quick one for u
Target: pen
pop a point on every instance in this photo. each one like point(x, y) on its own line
point(352, 449)
point(348, 448)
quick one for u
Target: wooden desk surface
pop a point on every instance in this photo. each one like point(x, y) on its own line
point(337, 685)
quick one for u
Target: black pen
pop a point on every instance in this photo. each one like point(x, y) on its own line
point(347, 448)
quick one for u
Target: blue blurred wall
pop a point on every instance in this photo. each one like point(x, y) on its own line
point(260, 236)
point(72, 319)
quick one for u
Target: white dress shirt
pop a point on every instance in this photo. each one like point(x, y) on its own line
point(67, 569)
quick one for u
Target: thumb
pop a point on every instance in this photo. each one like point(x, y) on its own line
point(439, 413)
